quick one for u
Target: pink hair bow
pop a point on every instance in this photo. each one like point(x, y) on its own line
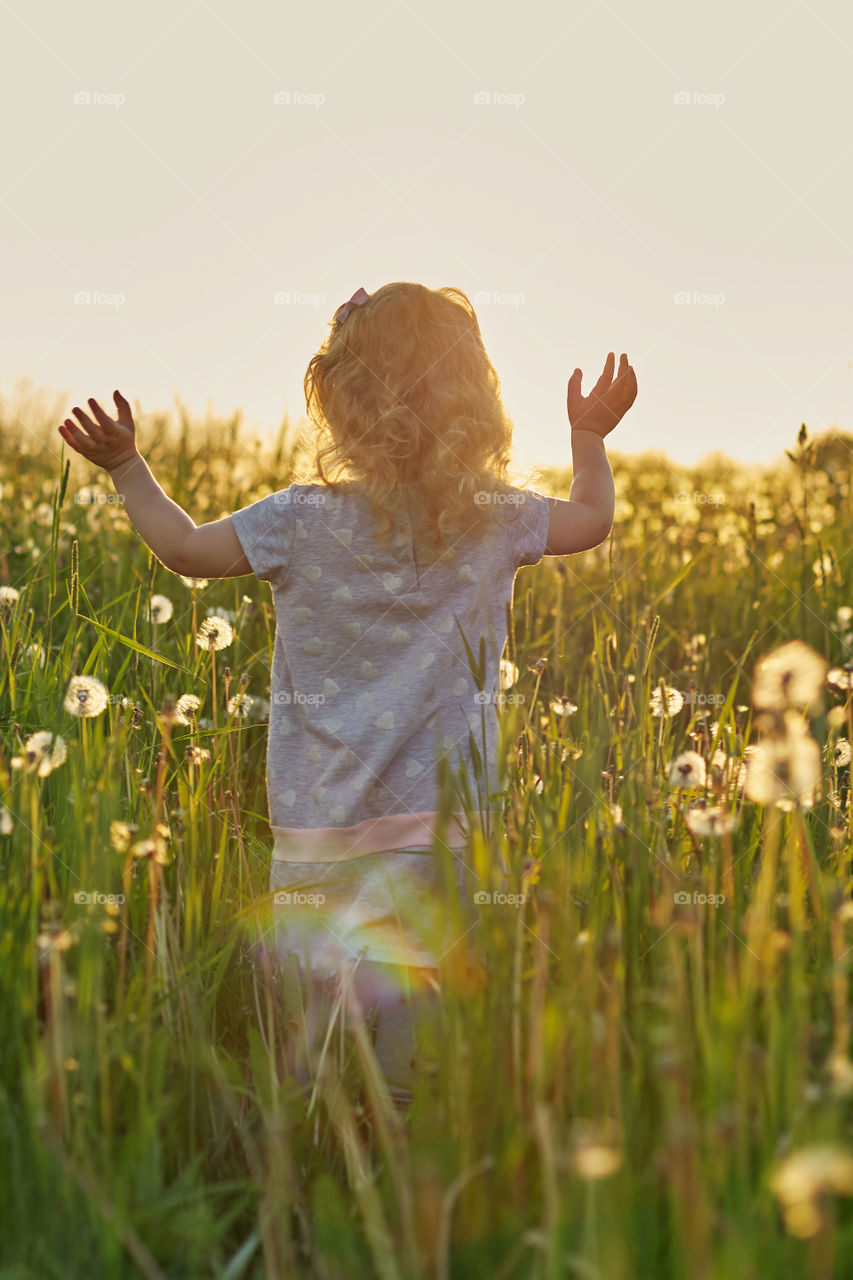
point(357, 300)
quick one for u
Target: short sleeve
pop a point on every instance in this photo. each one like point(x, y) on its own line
point(527, 528)
point(265, 531)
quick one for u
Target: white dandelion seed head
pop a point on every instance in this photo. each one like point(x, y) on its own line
point(85, 696)
point(509, 673)
point(55, 938)
point(841, 755)
point(562, 706)
point(687, 770)
point(784, 772)
point(790, 676)
point(48, 749)
point(160, 609)
point(186, 708)
point(593, 1161)
point(844, 613)
point(710, 821)
point(743, 766)
point(9, 595)
point(143, 848)
point(240, 705)
point(674, 701)
point(803, 1179)
point(840, 1069)
point(6, 822)
point(596, 1148)
point(840, 678)
point(197, 583)
point(215, 633)
point(35, 653)
point(197, 755)
point(121, 834)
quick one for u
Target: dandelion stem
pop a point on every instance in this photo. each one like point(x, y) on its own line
point(213, 669)
point(850, 740)
point(124, 910)
point(153, 893)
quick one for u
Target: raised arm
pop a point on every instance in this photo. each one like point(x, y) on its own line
point(202, 551)
point(585, 518)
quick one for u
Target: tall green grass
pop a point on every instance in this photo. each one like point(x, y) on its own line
point(614, 1079)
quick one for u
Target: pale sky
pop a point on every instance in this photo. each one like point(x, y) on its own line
point(579, 201)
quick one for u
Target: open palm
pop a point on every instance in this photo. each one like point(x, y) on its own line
point(607, 403)
point(106, 441)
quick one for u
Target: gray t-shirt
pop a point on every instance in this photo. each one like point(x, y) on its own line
point(370, 677)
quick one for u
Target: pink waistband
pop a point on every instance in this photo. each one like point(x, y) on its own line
point(374, 835)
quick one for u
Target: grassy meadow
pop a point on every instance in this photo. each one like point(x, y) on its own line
point(641, 1069)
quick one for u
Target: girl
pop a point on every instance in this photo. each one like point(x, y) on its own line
point(404, 549)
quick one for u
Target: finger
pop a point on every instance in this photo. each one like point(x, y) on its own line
point(85, 421)
point(623, 393)
point(573, 393)
point(104, 420)
point(125, 415)
point(628, 382)
point(72, 433)
point(607, 375)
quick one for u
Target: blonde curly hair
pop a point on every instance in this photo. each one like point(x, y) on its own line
point(403, 396)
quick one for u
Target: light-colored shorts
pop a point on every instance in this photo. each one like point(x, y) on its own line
point(392, 907)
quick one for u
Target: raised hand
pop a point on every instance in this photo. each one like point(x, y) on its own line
point(107, 442)
point(607, 403)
